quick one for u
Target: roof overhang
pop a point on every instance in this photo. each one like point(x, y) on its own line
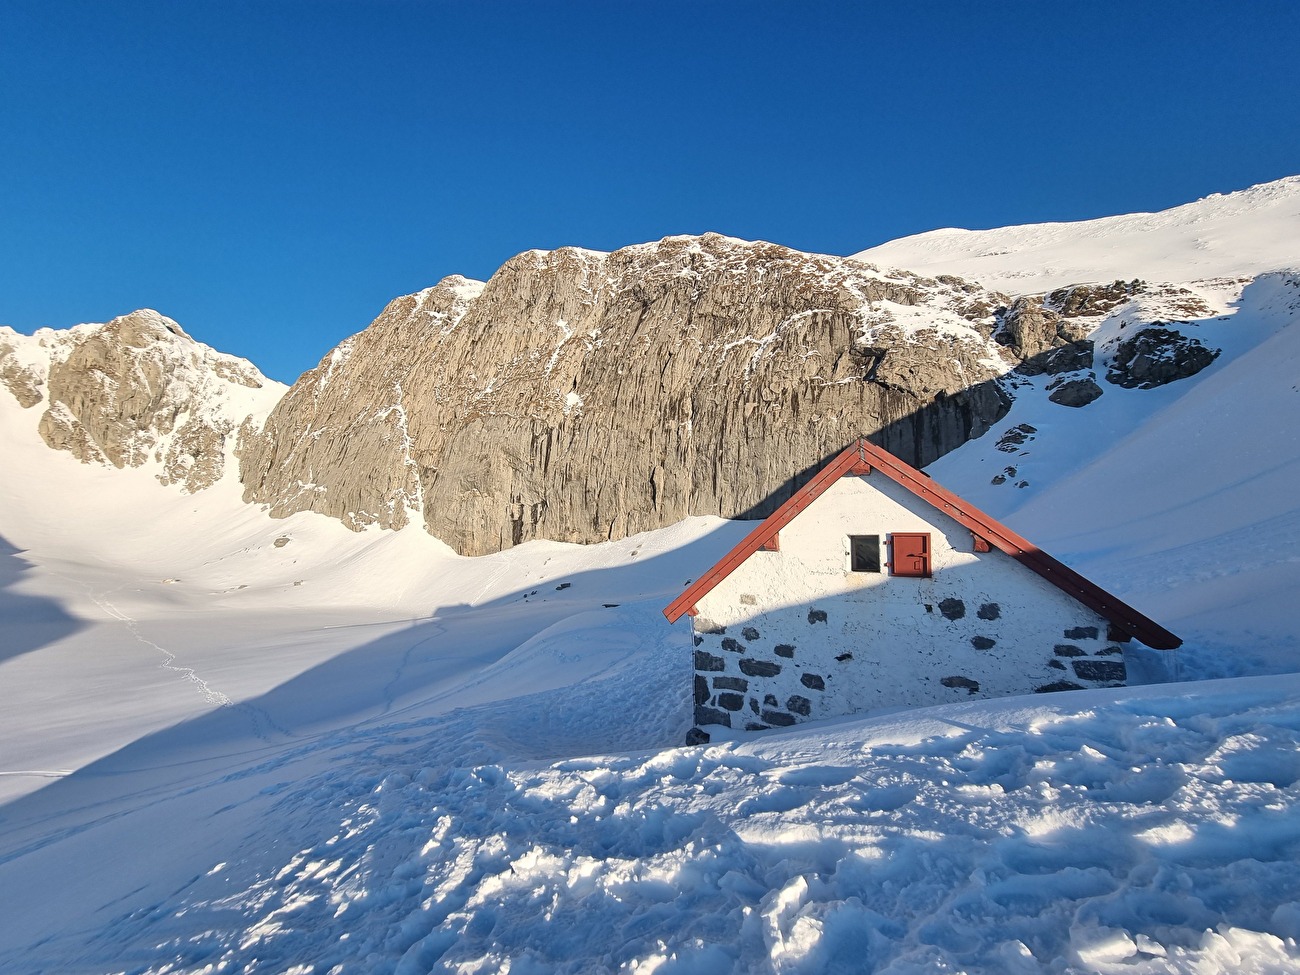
point(862, 457)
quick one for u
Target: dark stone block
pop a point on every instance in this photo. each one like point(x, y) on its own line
point(701, 689)
point(697, 737)
point(1076, 393)
point(1060, 685)
point(983, 643)
point(1056, 664)
point(1070, 358)
point(755, 726)
point(707, 662)
point(1068, 650)
point(816, 616)
point(749, 633)
point(953, 609)
point(843, 657)
point(770, 700)
point(758, 668)
point(1105, 670)
point(1115, 635)
point(1109, 651)
point(753, 704)
point(799, 705)
point(730, 684)
point(732, 702)
point(705, 715)
point(778, 718)
point(784, 650)
point(708, 626)
point(989, 611)
point(813, 681)
point(1081, 633)
point(1157, 355)
point(965, 682)
point(735, 646)
point(698, 639)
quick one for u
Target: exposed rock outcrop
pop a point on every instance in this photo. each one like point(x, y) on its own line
point(1042, 339)
point(579, 396)
point(1075, 392)
point(1156, 355)
point(134, 391)
point(21, 379)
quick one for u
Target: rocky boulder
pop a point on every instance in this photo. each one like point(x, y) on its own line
point(1156, 355)
point(1074, 392)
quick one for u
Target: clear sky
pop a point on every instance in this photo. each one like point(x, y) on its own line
point(271, 173)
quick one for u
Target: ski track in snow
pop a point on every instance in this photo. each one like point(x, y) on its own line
point(210, 694)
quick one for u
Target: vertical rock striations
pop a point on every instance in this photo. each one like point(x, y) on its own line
point(580, 396)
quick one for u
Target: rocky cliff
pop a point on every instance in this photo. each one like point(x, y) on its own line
point(580, 395)
point(136, 391)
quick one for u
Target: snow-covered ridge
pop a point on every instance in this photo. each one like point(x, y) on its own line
point(136, 391)
point(1238, 234)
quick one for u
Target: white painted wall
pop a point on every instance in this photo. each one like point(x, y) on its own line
point(902, 645)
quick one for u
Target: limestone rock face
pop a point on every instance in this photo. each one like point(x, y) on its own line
point(1043, 339)
point(137, 390)
point(579, 396)
point(341, 441)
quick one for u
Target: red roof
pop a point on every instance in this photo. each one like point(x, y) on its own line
point(861, 458)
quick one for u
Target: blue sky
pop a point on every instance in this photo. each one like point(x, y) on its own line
point(271, 173)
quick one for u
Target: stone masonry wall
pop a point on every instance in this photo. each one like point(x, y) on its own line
point(793, 635)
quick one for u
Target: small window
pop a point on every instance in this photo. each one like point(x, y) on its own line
point(864, 553)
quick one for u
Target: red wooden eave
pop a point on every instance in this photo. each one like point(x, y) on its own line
point(862, 457)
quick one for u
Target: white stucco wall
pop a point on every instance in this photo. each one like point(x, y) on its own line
point(885, 641)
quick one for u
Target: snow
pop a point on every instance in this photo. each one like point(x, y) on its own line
point(1224, 235)
point(238, 744)
point(1183, 496)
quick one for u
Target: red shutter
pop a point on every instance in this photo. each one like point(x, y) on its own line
point(910, 554)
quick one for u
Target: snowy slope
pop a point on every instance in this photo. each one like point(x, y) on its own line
point(1182, 496)
point(360, 752)
point(1228, 235)
point(237, 744)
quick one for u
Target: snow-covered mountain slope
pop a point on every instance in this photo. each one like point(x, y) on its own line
point(1183, 495)
point(234, 744)
point(135, 392)
point(1229, 235)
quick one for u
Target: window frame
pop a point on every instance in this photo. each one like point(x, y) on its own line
point(851, 549)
